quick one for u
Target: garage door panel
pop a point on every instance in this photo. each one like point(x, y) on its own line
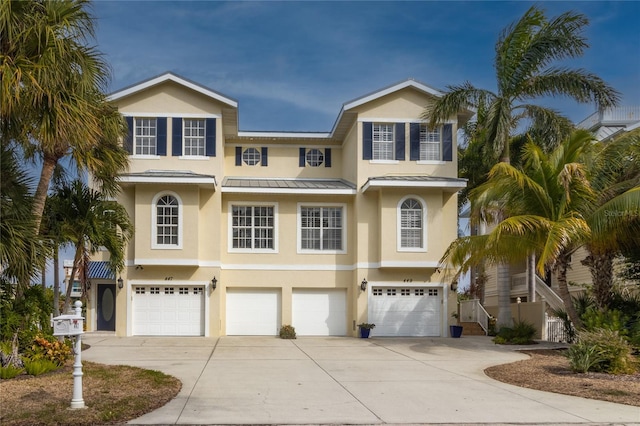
point(253, 312)
point(405, 311)
point(168, 311)
point(319, 312)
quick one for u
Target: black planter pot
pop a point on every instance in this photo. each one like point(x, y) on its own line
point(364, 332)
point(455, 330)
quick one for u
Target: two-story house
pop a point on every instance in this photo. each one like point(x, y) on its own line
point(241, 232)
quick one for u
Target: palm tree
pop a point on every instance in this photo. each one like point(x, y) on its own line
point(525, 52)
point(615, 177)
point(89, 221)
point(541, 204)
point(52, 99)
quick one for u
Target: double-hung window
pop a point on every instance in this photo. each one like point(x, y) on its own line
point(194, 137)
point(321, 228)
point(383, 137)
point(411, 225)
point(430, 143)
point(253, 228)
point(145, 135)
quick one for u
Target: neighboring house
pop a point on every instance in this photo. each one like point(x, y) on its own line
point(98, 271)
point(241, 232)
point(605, 126)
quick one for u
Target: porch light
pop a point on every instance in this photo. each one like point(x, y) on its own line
point(454, 286)
point(363, 284)
point(120, 283)
point(214, 283)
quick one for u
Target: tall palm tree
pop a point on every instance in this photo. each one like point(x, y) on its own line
point(525, 53)
point(89, 221)
point(52, 100)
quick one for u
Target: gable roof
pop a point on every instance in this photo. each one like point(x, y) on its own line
point(391, 89)
point(163, 78)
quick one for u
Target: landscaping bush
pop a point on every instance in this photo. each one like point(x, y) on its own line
point(606, 319)
point(35, 367)
point(9, 372)
point(521, 333)
point(602, 350)
point(51, 350)
point(287, 332)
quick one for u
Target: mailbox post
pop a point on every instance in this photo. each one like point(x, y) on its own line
point(72, 325)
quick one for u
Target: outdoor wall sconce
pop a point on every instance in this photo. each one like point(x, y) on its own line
point(139, 268)
point(363, 284)
point(120, 283)
point(214, 283)
point(454, 286)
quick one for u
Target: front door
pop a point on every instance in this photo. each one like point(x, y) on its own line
point(107, 307)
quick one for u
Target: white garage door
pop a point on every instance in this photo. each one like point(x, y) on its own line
point(411, 311)
point(253, 312)
point(320, 312)
point(168, 311)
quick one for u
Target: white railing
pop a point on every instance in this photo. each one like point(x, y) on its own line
point(626, 114)
point(472, 311)
point(550, 296)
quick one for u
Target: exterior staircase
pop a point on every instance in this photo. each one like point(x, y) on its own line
point(472, 329)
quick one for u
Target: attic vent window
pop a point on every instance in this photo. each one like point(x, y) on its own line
point(315, 158)
point(251, 156)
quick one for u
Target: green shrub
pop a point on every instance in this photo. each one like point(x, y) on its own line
point(606, 319)
point(287, 332)
point(583, 358)
point(521, 333)
point(612, 349)
point(9, 372)
point(35, 367)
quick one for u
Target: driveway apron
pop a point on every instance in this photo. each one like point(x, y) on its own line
point(343, 380)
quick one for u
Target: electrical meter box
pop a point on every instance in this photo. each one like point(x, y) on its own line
point(68, 325)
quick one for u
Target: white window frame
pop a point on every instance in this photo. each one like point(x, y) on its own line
point(314, 157)
point(399, 225)
point(377, 145)
point(154, 224)
point(343, 234)
point(136, 122)
point(202, 138)
point(426, 139)
point(252, 154)
point(230, 247)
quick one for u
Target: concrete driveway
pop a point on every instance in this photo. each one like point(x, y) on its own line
point(343, 380)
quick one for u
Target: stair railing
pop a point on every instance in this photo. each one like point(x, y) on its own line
point(473, 311)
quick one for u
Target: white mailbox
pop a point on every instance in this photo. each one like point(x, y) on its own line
point(68, 325)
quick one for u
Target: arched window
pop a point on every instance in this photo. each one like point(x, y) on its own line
point(167, 222)
point(411, 224)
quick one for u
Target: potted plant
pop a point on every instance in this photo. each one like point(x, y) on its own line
point(365, 329)
point(455, 330)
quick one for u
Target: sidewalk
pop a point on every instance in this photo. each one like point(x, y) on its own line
point(343, 380)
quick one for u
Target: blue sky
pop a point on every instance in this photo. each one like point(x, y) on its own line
point(291, 65)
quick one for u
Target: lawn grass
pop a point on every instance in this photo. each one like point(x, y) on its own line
point(112, 394)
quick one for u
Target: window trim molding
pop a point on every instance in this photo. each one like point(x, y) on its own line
point(423, 204)
point(276, 228)
point(154, 224)
point(299, 249)
point(183, 137)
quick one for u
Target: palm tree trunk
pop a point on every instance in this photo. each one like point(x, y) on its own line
point(40, 196)
point(601, 268)
point(504, 296)
point(561, 269)
point(56, 282)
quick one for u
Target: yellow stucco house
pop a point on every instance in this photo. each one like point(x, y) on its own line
point(241, 232)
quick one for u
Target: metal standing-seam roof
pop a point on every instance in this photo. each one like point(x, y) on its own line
point(288, 186)
point(449, 183)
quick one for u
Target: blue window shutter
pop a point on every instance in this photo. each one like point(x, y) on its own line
point(447, 143)
point(414, 141)
point(238, 156)
point(301, 155)
point(176, 137)
point(400, 141)
point(128, 141)
point(367, 141)
point(263, 160)
point(327, 157)
point(210, 137)
point(161, 137)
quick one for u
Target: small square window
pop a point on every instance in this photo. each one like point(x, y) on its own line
point(198, 290)
point(155, 290)
point(251, 156)
point(377, 292)
point(183, 290)
point(391, 292)
point(314, 157)
point(139, 290)
point(433, 292)
point(405, 292)
point(168, 290)
point(419, 292)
